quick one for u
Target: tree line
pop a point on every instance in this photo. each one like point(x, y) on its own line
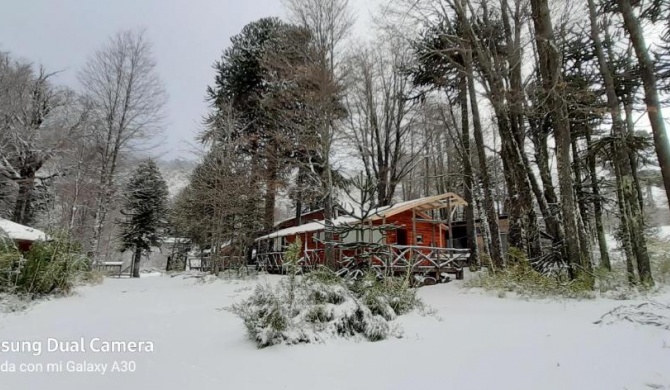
point(65, 153)
point(528, 108)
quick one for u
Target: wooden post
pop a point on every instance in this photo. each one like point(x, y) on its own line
point(438, 271)
point(451, 232)
point(411, 251)
point(433, 242)
point(441, 238)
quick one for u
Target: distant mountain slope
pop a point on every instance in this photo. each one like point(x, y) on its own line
point(177, 174)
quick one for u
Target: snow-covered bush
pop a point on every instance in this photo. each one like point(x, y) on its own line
point(321, 305)
point(387, 297)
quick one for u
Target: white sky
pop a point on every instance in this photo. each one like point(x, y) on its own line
point(187, 35)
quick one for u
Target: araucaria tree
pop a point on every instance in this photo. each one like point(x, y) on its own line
point(275, 81)
point(145, 211)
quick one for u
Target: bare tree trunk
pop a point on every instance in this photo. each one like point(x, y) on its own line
point(468, 174)
point(654, 112)
point(630, 212)
point(550, 69)
point(22, 209)
point(489, 204)
point(137, 258)
point(597, 207)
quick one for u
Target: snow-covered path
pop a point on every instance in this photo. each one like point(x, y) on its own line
point(472, 342)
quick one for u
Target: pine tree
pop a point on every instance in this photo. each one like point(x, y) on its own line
point(145, 209)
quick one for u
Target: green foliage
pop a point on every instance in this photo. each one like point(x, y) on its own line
point(325, 275)
point(263, 316)
point(516, 256)
point(520, 278)
point(291, 261)
point(292, 256)
point(145, 210)
point(387, 297)
point(52, 267)
point(145, 207)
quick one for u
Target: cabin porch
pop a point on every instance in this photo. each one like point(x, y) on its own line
point(408, 237)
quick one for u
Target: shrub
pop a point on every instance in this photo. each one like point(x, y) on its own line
point(387, 297)
point(322, 305)
point(52, 267)
point(520, 278)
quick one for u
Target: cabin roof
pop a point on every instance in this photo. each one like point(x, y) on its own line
point(308, 227)
point(20, 232)
point(422, 204)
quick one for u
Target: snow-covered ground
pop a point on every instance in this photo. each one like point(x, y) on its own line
point(471, 341)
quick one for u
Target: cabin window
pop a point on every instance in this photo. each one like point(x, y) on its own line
point(377, 236)
point(350, 236)
point(362, 235)
point(419, 238)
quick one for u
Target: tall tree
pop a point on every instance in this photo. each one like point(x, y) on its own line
point(145, 211)
point(127, 99)
point(36, 120)
point(552, 80)
point(381, 116)
point(630, 212)
point(651, 99)
point(329, 21)
point(242, 84)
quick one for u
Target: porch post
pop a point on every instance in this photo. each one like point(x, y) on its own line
point(441, 238)
point(414, 242)
point(451, 232)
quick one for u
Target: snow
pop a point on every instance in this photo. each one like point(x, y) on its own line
point(309, 227)
point(471, 341)
point(663, 233)
point(177, 174)
point(660, 198)
point(19, 232)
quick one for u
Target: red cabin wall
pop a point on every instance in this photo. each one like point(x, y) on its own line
point(404, 220)
point(430, 232)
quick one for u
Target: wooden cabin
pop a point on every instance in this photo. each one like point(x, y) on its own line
point(407, 236)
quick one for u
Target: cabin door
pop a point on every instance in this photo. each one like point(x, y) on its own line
point(401, 236)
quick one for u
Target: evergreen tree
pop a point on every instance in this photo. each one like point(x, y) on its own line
point(145, 209)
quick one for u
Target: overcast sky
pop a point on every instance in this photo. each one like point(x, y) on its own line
point(187, 35)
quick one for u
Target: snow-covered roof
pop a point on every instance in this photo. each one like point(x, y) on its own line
point(308, 227)
point(422, 204)
point(441, 201)
point(20, 232)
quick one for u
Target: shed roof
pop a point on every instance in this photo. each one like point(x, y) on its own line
point(20, 232)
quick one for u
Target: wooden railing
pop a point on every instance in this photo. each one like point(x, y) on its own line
point(426, 257)
point(270, 260)
point(383, 258)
